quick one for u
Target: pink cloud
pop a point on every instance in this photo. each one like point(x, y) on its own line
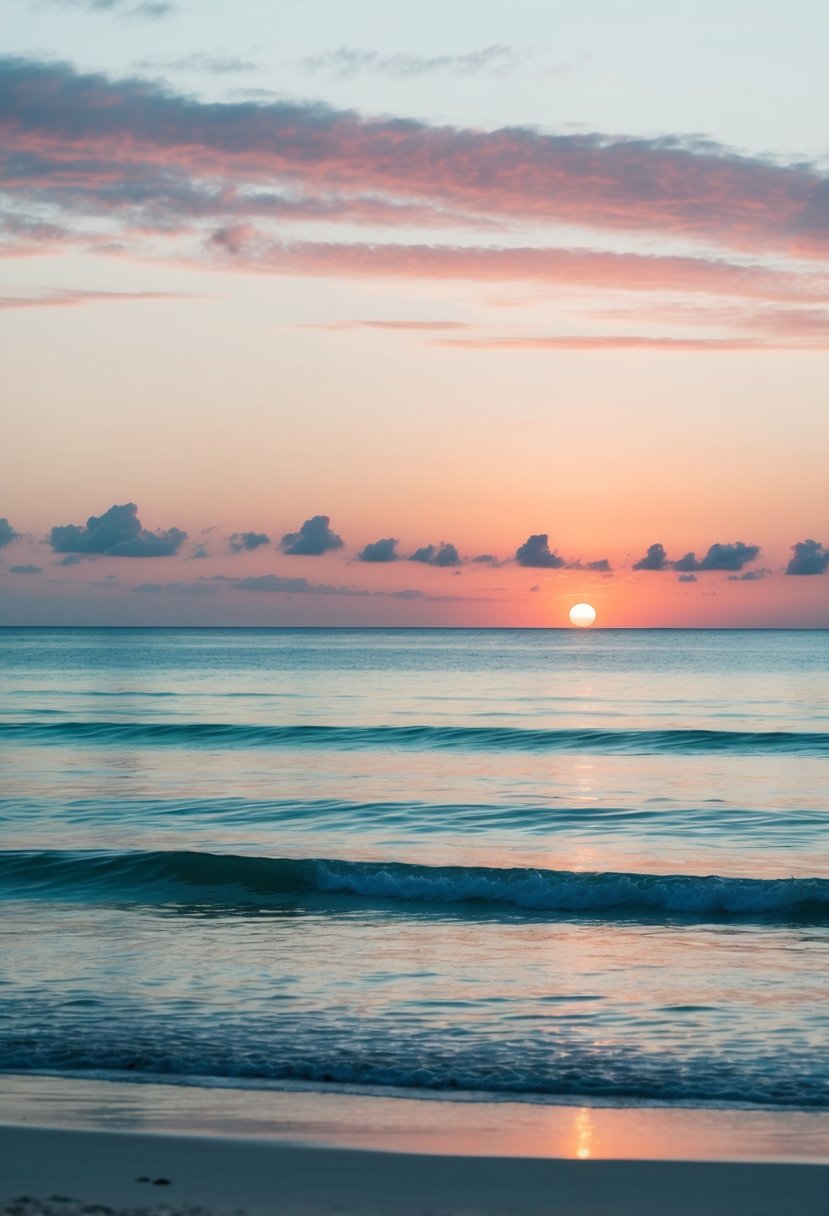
point(622, 342)
point(608, 183)
point(72, 299)
point(773, 322)
point(400, 326)
point(252, 249)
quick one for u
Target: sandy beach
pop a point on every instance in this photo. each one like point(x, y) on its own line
point(66, 1145)
point(128, 1171)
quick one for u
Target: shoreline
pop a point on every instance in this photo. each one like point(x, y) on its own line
point(395, 1122)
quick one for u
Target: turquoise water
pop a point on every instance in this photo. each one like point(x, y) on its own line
point(544, 865)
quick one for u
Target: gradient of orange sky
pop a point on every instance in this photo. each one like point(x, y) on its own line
point(239, 316)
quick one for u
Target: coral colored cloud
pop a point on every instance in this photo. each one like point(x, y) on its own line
point(620, 342)
point(584, 268)
point(667, 185)
point(72, 299)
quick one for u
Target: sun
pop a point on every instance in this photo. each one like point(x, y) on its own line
point(582, 615)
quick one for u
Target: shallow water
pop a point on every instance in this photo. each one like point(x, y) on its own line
point(535, 864)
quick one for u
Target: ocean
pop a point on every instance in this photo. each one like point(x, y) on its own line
point(542, 866)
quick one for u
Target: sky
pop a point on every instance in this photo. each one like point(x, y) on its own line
point(330, 312)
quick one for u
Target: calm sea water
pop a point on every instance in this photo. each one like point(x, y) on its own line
point(519, 864)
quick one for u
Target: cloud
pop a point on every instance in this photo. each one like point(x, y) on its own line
point(246, 542)
point(384, 550)
point(443, 554)
point(71, 559)
point(87, 127)
point(199, 588)
point(655, 559)
point(687, 578)
point(150, 10)
point(484, 559)
point(749, 576)
point(347, 61)
point(200, 61)
point(412, 593)
point(536, 552)
point(729, 557)
point(777, 324)
point(296, 586)
point(399, 326)
point(720, 557)
point(199, 552)
point(314, 537)
point(117, 533)
point(25, 569)
point(601, 565)
point(532, 264)
point(277, 584)
point(7, 533)
point(626, 342)
point(808, 557)
point(74, 298)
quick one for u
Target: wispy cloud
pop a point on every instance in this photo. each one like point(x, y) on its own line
point(177, 588)
point(587, 342)
point(295, 586)
point(665, 185)
point(398, 326)
point(252, 249)
point(349, 61)
point(199, 61)
point(65, 298)
point(750, 576)
point(143, 10)
point(278, 584)
point(133, 167)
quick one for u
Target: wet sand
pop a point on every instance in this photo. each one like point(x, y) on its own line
point(69, 1145)
point(69, 1171)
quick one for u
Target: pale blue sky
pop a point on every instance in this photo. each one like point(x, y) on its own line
point(746, 73)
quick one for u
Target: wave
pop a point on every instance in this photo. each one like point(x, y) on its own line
point(214, 1058)
point(463, 738)
point(760, 824)
point(197, 880)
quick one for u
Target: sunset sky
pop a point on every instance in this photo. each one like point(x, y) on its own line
point(338, 313)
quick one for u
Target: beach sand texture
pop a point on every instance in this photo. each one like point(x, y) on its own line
point(105, 1169)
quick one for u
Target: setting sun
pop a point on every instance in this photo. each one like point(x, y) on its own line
point(582, 615)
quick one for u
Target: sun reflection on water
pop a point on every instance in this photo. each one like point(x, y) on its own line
point(584, 1133)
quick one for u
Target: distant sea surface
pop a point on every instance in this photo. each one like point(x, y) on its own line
point(530, 865)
